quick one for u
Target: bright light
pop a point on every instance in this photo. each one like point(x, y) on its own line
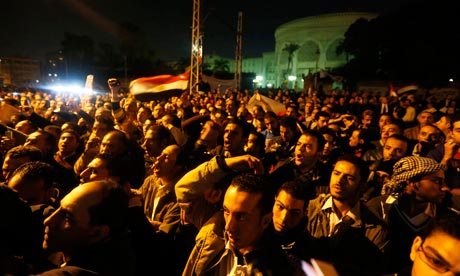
point(292, 78)
point(259, 78)
point(451, 80)
point(71, 89)
point(269, 85)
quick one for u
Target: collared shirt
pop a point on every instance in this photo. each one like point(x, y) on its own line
point(236, 269)
point(354, 214)
point(420, 219)
point(384, 108)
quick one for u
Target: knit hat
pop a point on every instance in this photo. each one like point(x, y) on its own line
point(409, 167)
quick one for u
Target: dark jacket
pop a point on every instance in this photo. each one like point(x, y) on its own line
point(114, 257)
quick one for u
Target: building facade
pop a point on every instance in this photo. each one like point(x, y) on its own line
point(316, 39)
point(19, 71)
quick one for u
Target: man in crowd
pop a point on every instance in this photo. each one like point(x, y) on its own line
point(341, 216)
point(416, 191)
point(90, 229)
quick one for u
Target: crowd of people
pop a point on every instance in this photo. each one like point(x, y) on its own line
point(220, 183)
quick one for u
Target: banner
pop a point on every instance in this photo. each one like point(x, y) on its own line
point(266, 103)
point(158, 87)
point(407, 89)
point(6, 111)
point(220, 84)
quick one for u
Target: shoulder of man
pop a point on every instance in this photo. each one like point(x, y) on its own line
point(68, 271)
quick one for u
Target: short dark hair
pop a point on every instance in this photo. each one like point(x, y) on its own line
point(163, 134)
point(36, 170)
point(319, 138)
point(245, 126)
point(322, 114)
point(330, 131)
point(49, 137)
point(21, 151)
point(112, 209)
point(296, 189)
point(400, 137)
point(72, 132)
point(270, 114)
point(117, 167)
point(448, 223)
point(454, 118)
point(359, 164)
point(256, 184)
point(289, 122)
point(365, 134)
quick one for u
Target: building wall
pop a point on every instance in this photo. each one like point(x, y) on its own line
point(19, 71)
point(317, 38)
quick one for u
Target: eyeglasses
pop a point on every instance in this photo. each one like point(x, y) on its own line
point(436, 180)
point(433, 261)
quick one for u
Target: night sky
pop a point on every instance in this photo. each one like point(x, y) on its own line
point(34, 27)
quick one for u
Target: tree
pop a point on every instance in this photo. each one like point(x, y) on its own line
point(135, 47)
point(415, 44)
point(290, 48)
point(220, 65)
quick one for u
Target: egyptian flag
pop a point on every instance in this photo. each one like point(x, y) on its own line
point(159, 87)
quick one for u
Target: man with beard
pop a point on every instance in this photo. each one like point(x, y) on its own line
point(416, 192)
point(342, 217)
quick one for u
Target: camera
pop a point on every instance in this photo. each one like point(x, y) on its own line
point(113, 82)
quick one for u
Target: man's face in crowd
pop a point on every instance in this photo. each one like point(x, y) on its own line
point(287, 134)
point(455, 133)
point(96, 170)
point(322, 121)
point(306, 153)
point(394, 149)
point(288, 211)
point(388, 130)
point(345, 181)
point(234, 139)
point(244, 223)
point(429, 134)
point(430, 188)
point(165, 163)
point(435, 255)
point(425, 118)
point(69, 228)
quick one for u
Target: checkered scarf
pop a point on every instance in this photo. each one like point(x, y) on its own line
point(409, 167)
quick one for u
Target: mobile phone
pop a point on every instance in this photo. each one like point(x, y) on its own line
point(9, 134)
